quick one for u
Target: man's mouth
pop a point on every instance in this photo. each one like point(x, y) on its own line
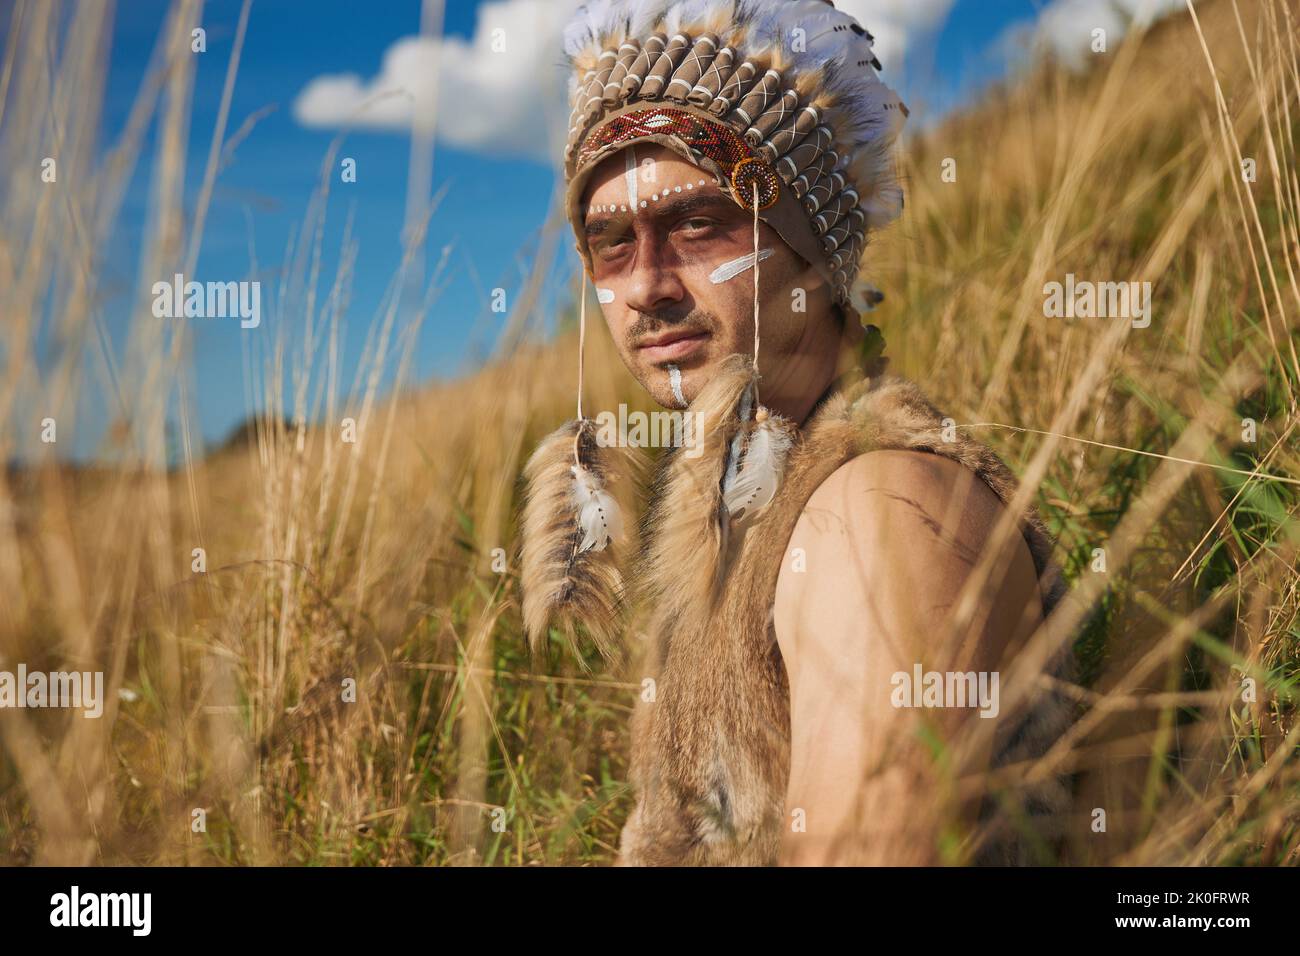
point(672, 345)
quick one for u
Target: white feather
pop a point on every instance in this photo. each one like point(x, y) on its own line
point(682, 14)
point(598, 21)
point(598, 513)
point(733, 453)
point(756, 481)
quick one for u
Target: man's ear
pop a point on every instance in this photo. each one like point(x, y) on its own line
point(851, 330)
point(811, 279)
point(805, 288)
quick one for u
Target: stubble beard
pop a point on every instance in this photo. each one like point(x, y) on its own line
point(655, 377)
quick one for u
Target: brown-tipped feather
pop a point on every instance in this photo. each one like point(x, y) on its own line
point(562, 588)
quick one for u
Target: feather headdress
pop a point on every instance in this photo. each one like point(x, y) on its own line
point(794, 81)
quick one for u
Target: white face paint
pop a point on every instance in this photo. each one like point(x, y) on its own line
point(629, 175)
point(729, 270)
point(643, 203)
point(675, 383)
point(604, 296)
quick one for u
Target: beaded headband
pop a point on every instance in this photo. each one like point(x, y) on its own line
point(740, 167)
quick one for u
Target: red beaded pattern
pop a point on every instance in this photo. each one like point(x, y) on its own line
point(714, 140)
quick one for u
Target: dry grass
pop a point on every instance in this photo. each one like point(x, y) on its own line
point(375, 561)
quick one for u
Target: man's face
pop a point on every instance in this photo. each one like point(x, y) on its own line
point(672, 259)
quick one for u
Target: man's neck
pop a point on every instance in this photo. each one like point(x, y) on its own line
point(824, 353)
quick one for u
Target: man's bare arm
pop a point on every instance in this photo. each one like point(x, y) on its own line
point(887, 542)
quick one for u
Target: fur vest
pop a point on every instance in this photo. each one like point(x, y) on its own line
point(711, 751)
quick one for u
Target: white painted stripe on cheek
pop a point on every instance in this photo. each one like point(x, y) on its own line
point(675, 383)
point(604, 296)
point(729, 270)
point(629, 176)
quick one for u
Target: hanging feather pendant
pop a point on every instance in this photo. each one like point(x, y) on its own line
point(573, 539)
point(752, 481)
point(599, 516)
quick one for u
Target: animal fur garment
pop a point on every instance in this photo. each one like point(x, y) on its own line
point(710, 758)
point(692, 520)
point(573, 538)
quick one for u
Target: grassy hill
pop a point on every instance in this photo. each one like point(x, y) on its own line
point(391, 561)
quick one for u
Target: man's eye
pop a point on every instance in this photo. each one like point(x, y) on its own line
point(612, 247)
point(697, 224)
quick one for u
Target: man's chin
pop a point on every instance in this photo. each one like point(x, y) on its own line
point(675, 384)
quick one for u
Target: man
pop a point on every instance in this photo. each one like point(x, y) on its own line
point(826, 618)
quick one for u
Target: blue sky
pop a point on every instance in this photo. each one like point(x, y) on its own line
point(496, 198)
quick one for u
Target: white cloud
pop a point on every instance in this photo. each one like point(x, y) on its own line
point(1064, 27)
point(501, 92)
point(514, 101)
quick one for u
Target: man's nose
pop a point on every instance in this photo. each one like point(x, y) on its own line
point(655, 283)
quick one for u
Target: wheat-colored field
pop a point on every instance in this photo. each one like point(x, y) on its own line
point(231, 734)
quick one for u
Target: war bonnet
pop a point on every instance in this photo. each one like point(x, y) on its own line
point(779, 93)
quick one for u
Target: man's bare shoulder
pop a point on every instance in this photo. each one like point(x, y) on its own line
point(898, 489)
point(874, 584)
point(889, 530)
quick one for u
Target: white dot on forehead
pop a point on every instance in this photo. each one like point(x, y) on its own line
point(635, 202)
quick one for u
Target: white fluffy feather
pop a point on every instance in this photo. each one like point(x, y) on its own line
point(755, 482)
point(598, 513)
point(598, 21)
